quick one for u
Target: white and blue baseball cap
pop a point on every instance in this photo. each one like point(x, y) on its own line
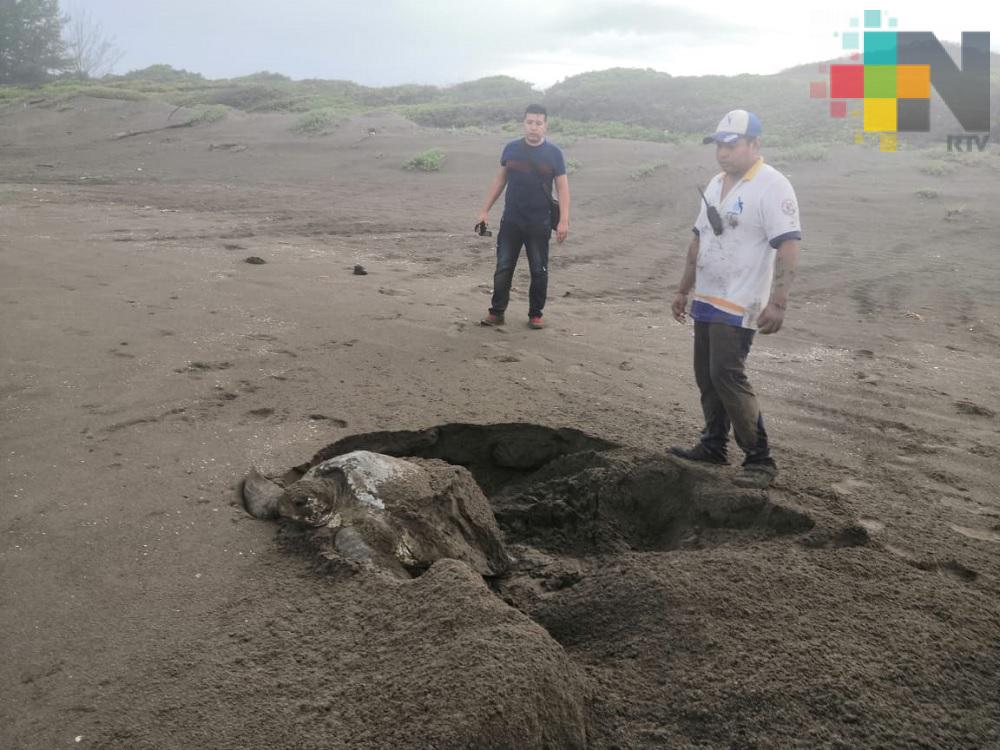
point(737, 123)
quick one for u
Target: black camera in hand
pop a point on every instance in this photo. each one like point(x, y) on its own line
point(482, 231)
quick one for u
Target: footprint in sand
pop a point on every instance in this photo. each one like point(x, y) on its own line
point(871, 525)
point(198, 366)
point(983, 535)
point(951, 568)
point(849, 487)
point(965, 505)
point(965, 406)
point(335, 421)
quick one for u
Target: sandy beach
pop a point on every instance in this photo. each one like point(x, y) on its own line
point(147, 366)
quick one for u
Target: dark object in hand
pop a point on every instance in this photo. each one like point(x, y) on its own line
point(482, 231)
point(360, 271)
point(713, 215)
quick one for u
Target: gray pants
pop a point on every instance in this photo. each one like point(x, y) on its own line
point(727, 398)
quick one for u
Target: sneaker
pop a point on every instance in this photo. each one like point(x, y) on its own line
point(756, 476)
point(492, 319)
point(699, 453)
point(535, 321)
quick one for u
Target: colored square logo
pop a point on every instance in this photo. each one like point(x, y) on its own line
point(873, 19)
point(850, 40)
point(913, 115)
point(880, 115)
point(880, 81)
point(847, 81)
point(913, 81)
point(838, 109)
point(880, 47)
point(887, 142)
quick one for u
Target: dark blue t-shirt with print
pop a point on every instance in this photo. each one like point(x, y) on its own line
point(530, 173)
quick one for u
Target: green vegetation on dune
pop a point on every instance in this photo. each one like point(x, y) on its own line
point(318, 121)
point(430, 160)
point(938, 168)
point(621, 103)
point(802, 152)
point(648, 170)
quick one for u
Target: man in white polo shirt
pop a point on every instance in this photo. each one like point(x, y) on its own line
point(740, 265)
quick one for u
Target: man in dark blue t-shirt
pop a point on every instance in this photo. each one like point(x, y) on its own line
point(528, 167)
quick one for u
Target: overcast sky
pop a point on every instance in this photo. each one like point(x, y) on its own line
point(381, 42)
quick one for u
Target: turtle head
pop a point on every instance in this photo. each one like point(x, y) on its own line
point(312, 502)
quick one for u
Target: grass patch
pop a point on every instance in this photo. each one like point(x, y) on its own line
point(106, 92)
point(211, 113)
point(804, 152)
point(318, 122)
point(644, 171)
point(619, 130)
point(938, 168)
point(927, 193)
point(430, 160)
point(572, 165)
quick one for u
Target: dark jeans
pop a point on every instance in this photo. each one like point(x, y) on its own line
point(535, 240)
point(727, 398)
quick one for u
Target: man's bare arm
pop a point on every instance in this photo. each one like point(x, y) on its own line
point(786, 262)
point(496, 187)
point(785, 265)
point(687, 280)
point(562, 187)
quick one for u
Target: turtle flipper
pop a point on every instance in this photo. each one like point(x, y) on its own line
point(260, 495)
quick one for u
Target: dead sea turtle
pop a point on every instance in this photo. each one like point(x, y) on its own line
point(399, 515)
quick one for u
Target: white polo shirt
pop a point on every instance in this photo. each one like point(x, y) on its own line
point(736, 268)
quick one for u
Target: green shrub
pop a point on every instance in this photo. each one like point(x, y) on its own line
point(247, 98)
point(162, 73)
point(318, 122)
point(572, 165)
point(210, 113)
point(619, 130)
point(804, 152)
point(938, 168)
point(647, 170)
point(430, 160)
